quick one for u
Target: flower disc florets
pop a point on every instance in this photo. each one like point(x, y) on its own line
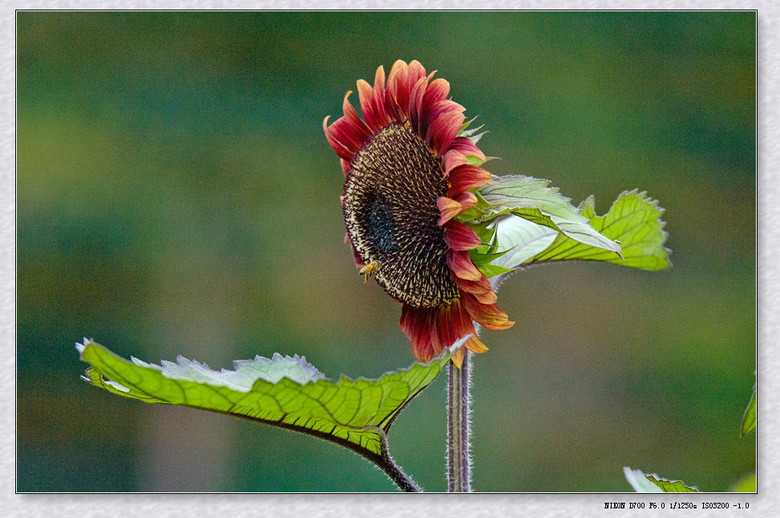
point(409, 170)
point(392, 218)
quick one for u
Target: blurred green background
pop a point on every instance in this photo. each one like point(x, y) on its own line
point(176, 195)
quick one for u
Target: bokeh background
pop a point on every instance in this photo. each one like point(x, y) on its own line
point(176, 196)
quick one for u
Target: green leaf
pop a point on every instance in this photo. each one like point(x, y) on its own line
point(634, 221)
point(525, 238)
point(532, 199)
point(281, 391)
point(749, 419)
point(643, 483)
point(746, 484)
point(492, 270)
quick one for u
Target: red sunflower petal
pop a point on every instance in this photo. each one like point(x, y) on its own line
point(351, 115)
point(435, 95)
point(480, 289)
point(461, 321)
point(467, 147)
point(475, 345)
point(457, 357)
point(487, 315)
point(437, 90)
point(416, 103)
point(415, 323)
point(434, 111)
point(416, 71)
point(461, 266)
point(372, 100)
point(465, 177)
point(448, 208)
point(341, 150)
point(460, 237)
point(365, 95)
point(452, 159)
point(394, 111)
point(444, 128)
point(401, 82)
point(467, 200)
point(453, 324)
point(500, 326)
point(431, 330)
point(347, 134)
point(397, 89)
point(379, 111)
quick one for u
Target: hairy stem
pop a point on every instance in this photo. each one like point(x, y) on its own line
point(397, 475)
point(458, 427)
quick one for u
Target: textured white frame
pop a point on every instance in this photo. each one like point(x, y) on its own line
point(432, 505)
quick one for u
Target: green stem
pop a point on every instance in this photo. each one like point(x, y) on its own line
point(458, 427)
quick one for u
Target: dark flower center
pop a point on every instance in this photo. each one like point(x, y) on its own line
point(391, 216)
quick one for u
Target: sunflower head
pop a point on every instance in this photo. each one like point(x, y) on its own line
point(410, 170)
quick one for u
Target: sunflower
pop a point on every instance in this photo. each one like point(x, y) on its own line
point(411, 169)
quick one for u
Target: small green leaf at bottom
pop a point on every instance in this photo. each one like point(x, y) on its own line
point(746, 484)
point(749, 419)
point(643, 483)
point(282, 391)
